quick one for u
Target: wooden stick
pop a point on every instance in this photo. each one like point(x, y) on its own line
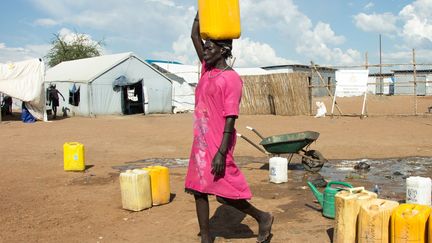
point(415, 82)
point(364, 105)
point(365, 95)
point(329, 92)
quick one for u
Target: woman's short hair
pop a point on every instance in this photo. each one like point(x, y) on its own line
point(225, 44)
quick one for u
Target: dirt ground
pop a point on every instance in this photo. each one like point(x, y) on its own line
point(39, 202)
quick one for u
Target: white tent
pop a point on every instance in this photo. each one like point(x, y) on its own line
point(184, 79)
point(190, 73)
point(24, 81)
point(111, 84)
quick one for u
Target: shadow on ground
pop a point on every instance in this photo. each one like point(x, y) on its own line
point(226, 222)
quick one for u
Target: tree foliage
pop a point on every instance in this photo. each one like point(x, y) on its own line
point(80, 46)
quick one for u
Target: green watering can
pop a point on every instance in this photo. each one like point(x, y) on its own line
point(327, 199)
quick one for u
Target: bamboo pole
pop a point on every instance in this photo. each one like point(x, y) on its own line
point(375, 65)
point(415, 82)
point(329, 92)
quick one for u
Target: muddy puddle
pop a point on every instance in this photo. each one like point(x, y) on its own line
point(386, 175)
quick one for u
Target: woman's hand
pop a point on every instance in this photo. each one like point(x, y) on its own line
point(218, 164)
point(219, 159)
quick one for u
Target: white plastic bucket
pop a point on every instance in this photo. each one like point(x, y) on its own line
point(278, 170)
point(418, 190)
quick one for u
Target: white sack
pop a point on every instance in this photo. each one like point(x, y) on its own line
point(321, 109)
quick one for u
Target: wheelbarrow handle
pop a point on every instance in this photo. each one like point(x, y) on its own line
point(253, 144)
point(255, 131)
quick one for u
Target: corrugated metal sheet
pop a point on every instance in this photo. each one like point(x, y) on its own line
point(404, 84)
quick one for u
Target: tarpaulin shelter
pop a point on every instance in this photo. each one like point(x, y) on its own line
point(24, 81)
point(109, 85)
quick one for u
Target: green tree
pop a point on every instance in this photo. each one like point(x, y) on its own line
point(81, 46)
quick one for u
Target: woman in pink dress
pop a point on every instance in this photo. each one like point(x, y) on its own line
point(212, 170)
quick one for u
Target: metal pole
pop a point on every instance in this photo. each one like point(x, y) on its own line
point(380, 68)
point(366, 61)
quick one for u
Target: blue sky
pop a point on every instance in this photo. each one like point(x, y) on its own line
point(328, 32)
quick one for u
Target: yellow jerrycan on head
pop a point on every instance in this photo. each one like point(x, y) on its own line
point(160, 184)
point(219, 19)
point(408, 223)
point(73, 156)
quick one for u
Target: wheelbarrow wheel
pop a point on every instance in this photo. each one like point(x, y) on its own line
point(316, 163)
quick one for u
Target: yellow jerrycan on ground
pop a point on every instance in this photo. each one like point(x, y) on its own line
point(160, 184)
point(430, 228)
point(408, 223)
point(73, 156)
point(219, 19)
point(373, 224)
point(347, 205)
point(135, 190)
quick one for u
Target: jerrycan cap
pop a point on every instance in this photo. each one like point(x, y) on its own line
point(355, 189)
point(139, 171)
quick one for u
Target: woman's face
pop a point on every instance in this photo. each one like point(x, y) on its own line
point(212, 53)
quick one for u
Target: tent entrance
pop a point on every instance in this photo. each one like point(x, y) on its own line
point(132, 98)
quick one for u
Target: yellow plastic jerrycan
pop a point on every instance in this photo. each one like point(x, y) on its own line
point(160, 184)
point(73, 156)
point(373, 221)
point(408, 223)
point(430, 229)
point(219, 19)
point(348, 204)
point(135, 190)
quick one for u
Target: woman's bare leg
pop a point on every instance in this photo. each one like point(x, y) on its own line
point(202, 209)
point(264, 219)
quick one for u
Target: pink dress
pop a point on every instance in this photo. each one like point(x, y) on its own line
point(217, 95)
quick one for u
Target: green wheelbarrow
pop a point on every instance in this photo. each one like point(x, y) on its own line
point(291, 143)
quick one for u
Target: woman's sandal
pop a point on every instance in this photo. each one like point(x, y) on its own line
point(264, 234)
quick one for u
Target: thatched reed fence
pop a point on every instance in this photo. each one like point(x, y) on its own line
point(278, 94)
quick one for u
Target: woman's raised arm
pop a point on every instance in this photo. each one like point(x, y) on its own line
point(196, 38)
